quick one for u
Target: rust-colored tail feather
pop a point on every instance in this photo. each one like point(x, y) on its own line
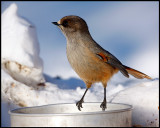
point(137, 74)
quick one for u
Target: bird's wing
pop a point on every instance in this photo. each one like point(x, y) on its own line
point(105, 56)
point(112, 60)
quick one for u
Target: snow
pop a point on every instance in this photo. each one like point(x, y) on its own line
point(22, 70)
point(144, 98)
point(20, 48)
point(22, 95)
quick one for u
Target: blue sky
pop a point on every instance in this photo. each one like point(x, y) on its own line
point(127, 29)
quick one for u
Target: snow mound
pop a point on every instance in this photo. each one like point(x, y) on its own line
point(20, 48)
point(144, 98)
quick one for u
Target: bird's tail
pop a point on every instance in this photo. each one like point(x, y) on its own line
point(136, 74)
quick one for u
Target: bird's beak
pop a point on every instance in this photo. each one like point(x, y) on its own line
point(55, 23)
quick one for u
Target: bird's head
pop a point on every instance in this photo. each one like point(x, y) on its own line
point(72, 24)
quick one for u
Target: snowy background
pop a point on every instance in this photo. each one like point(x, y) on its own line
point(129, 30)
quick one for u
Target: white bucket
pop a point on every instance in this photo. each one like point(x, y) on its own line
point(68, 115)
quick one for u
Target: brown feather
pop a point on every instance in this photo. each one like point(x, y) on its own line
point(136, 73)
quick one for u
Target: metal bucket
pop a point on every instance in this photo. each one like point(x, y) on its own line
point(67, 115)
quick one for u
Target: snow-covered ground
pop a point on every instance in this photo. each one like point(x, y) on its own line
point(20, 48)
point(144, 96)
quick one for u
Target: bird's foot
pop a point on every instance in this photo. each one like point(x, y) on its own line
point(103, 105)
point(79, 104)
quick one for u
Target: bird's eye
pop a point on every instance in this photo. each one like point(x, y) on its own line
point(65, 23)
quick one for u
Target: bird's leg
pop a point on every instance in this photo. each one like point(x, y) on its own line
point(104, 103)
point(79, 103)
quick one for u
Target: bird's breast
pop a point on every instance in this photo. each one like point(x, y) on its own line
point(87, 65)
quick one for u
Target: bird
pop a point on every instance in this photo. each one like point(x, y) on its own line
point(88, 59)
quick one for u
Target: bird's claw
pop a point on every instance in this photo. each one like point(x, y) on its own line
point(103, 105)
point(79, 104)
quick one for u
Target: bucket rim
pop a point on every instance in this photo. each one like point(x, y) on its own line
point(12, 112)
